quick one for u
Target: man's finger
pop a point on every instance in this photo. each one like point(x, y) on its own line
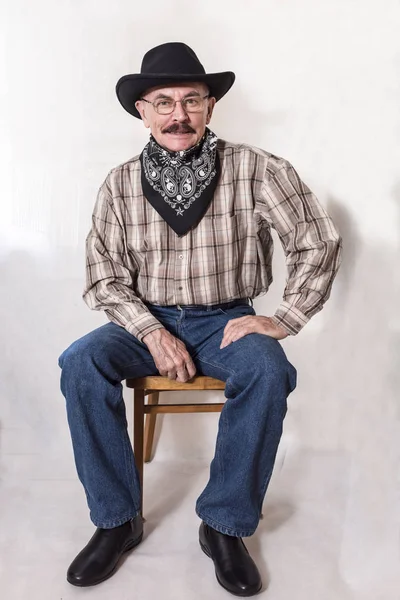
point(191, 369)
point(172, 373)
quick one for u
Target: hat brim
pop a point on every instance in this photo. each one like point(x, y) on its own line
point(129, 88)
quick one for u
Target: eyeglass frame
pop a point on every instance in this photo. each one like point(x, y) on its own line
point(175, 103)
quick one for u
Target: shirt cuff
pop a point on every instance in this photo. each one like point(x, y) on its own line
point(290, 318)
point(142, 325)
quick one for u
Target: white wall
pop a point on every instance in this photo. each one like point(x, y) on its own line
point(318, 84)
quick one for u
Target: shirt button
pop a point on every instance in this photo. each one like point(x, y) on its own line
point(180, 256)
point(180, 288)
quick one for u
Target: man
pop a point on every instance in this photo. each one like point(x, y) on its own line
point(180, 242)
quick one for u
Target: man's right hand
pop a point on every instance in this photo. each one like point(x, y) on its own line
point(170, 355)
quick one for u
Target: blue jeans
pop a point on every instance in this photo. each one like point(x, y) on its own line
point(258, 379)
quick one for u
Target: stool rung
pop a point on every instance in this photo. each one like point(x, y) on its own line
point(181, 408)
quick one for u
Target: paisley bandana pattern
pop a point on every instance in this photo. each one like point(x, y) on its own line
point(181, 185)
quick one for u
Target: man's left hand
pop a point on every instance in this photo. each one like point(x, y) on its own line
point(237, 328)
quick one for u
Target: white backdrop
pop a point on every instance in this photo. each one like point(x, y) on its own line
point(317, 83)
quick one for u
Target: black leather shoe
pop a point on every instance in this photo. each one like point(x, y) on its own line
point(234, 567)
point(99, 558)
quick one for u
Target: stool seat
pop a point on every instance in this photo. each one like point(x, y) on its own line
point(157, 382)
point(152, 386)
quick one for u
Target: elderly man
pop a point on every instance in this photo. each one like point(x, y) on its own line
point(180, 244)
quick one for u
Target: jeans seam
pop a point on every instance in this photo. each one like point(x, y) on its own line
point(207, 362)
point(244, 533)
point(115, 522)
point(130, 470)
point(126, 444)
point(224, 432)
point(136, 362)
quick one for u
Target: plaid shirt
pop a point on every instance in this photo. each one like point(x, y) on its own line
point(133, 256)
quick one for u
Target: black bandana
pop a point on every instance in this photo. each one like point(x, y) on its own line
point(181, 185)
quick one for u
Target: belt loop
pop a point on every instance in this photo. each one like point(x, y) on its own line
point(251, 301)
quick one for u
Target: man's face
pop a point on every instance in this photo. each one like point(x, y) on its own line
point(181, 129)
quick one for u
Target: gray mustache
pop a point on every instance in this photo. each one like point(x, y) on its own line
point(179, 128)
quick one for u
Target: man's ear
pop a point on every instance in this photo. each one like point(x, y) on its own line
point(139, 105)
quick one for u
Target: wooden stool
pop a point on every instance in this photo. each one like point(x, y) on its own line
point(152, 386)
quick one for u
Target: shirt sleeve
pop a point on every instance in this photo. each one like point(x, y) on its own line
point(109, 280)
point(312, 245)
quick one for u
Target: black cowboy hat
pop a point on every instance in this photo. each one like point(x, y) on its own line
point(169, 63)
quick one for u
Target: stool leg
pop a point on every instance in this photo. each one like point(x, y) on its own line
point(149, 427)
point(138, 415)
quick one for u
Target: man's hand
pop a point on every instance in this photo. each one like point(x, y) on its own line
point(237, 328)
point(170, 355)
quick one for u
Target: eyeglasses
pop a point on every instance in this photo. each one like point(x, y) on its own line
point(165, 106)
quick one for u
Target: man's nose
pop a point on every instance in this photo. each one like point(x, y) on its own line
point(179, 113)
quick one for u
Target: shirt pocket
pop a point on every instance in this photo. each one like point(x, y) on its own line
point(216, 243)
point(156, 248)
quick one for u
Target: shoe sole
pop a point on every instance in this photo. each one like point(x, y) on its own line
point(241, 594)
point(130, 546)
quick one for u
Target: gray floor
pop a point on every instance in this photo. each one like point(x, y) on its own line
point(301, 545)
